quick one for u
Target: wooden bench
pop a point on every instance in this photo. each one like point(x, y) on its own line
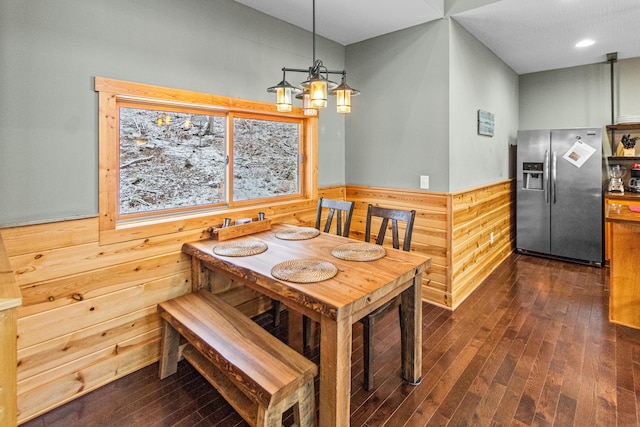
point(260, 376)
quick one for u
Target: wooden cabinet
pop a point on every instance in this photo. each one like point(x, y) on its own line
point(624, 293)
point(614, 199)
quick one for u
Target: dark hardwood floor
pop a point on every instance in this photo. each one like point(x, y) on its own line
point(531, 346)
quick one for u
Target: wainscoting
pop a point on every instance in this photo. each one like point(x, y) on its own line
point(89, 310)
point(454, 230)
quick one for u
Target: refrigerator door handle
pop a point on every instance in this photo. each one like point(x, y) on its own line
point(553, 176)
point(546, 169)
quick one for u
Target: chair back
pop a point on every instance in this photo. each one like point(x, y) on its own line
point(394, 215)
point(341, 210)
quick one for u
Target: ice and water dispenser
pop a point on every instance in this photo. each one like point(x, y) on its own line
point(532, 176)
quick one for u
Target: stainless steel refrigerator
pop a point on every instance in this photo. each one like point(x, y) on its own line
point(559, 199)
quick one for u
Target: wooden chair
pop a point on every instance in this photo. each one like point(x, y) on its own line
point(342, 211)
point(369, 320)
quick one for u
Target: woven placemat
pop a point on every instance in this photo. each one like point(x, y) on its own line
point(298, 233)
point(241, 248)
point(304, 270)
point(358, 252)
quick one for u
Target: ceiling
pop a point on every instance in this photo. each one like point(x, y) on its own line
point(528, 35)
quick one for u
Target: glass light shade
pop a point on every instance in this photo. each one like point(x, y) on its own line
point(318, 90)
point(283, 99)
point(307, 105)
point(343, 101)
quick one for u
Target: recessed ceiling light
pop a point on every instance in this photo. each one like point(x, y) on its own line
point(585, 43)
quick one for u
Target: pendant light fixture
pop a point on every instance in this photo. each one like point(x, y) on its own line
point(306, 103)
point(315, 90)
point(284, 92)
point(343, 95)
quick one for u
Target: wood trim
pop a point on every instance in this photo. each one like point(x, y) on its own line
point(10, 298)
point(8, 363)
point(107, 159)
point(187, 97)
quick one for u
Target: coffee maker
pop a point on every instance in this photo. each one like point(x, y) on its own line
point(615, 181)
point(634, 181)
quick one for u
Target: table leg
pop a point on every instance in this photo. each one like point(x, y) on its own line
point(335, 372)
point(411, 332)
point(199, 275)
point(294, 333)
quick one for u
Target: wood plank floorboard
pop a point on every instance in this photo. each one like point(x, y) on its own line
point(532, 346)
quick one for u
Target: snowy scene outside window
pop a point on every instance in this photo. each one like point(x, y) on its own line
point(265, 158)
point(172, 160)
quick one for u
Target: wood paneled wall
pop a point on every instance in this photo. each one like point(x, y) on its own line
point(430, 230)
point(454, 229)
point(476, 215)
point(89, 311)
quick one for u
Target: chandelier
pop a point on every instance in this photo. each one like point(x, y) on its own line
point(315, 89)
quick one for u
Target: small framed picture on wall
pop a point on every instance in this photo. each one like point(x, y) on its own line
point(485, 123)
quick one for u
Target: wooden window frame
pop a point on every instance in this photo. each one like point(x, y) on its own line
point(111, 92)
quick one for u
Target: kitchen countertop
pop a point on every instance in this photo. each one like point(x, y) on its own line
point(621, 213)
point(626, 196)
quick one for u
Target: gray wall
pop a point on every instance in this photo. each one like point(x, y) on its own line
point(480, 81)
point(627, 87)
point(579, 96)
point(565, 98)
point(421, 88)
point(50, 50)
point(429, 82)
point(405, 132)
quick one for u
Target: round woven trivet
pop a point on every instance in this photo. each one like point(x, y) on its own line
point(298, 233)
point(241, 248)
point(358, 252)
point(304, 270)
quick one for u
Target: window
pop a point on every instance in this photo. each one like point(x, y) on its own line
point(266, 158)
point(169, 160)
point(171, 155)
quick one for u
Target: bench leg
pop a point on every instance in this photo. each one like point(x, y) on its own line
point(269, 417)
point(304, 411)
point(169, 350)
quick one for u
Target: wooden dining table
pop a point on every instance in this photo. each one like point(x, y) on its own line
point(358, 288)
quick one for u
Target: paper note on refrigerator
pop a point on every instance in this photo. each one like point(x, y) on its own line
point(579, 153)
